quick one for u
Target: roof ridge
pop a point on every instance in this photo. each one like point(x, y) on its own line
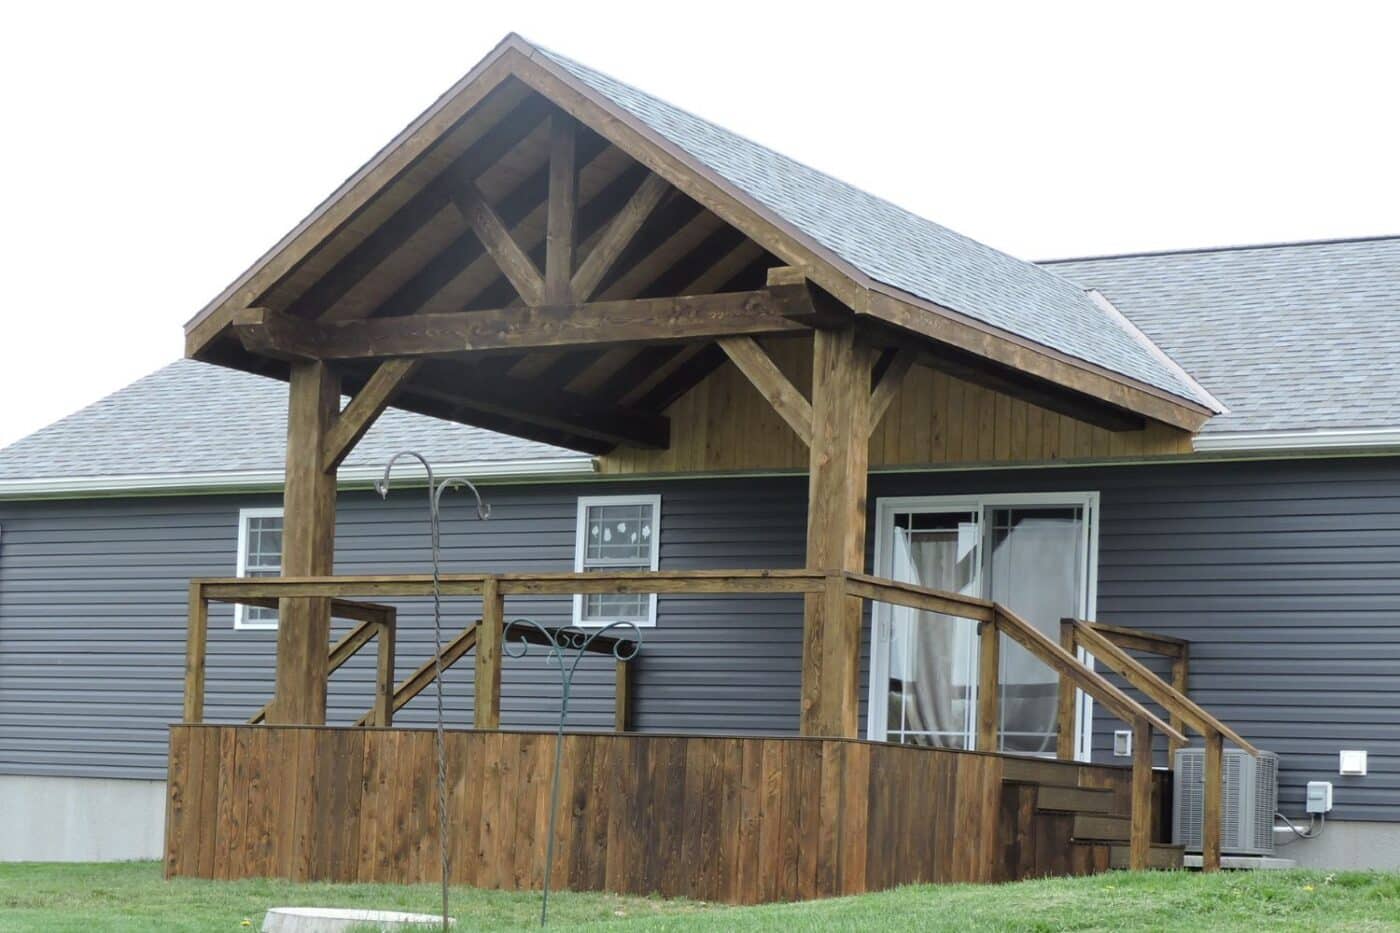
point(1234, 248)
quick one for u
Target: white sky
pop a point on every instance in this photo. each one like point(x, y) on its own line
point(150, 152)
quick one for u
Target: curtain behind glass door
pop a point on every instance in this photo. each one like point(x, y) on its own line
point(931, 656)
point(1035, 567)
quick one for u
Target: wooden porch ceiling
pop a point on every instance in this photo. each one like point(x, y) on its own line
point(550, 283)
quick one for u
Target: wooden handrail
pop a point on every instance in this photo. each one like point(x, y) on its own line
point(1135, 640)
point(1159, 691)
point(418, 681)
point(1107, 644)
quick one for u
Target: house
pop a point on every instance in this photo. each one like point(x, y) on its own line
point(1197, 446)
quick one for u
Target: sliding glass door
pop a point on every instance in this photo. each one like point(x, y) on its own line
point(1031, 553)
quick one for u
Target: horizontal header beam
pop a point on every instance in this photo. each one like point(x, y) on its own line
point(594, 324)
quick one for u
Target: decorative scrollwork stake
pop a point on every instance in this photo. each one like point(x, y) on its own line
point(561, 641)
point(435, 491)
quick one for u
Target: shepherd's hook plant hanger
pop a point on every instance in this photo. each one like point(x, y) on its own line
point(483, 511)
point(560, 641)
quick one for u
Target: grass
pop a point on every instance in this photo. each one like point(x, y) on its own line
point(132, 896)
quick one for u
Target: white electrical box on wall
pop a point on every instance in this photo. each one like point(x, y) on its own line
point(1353, 761)
point(1319, 796)
point(1123, 743)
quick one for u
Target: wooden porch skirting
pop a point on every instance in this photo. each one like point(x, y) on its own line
point(742, 820)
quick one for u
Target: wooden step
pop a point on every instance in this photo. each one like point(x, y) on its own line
point(1074, 799)
point(1099, 828)
point(1162, 856)
point(1041, 771)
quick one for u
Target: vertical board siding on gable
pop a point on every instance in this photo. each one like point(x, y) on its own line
point(1284, 575)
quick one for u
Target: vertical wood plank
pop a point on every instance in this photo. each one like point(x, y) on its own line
point(384, 671)
point(988, 687)
point(489, 632)
point(175, 790)
point(1140, 843)
point(1211, 812)
point(622, 704)
point(562, 212)
point(196, 651)
point(1067, 694)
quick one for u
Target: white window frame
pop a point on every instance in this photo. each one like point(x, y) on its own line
point(581, 549)
point(880, 619)
point(240, 620)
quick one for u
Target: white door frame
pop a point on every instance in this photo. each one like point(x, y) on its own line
point(880, 619)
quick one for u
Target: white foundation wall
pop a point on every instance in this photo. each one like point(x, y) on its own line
point(70, 819)
point(1349, 844)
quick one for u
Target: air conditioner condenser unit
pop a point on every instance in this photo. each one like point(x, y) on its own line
point(1247, 807)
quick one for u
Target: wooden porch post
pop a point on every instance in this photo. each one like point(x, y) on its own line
point(488, 655)
point(308, 547)
point(1211, 811)
point(841, 366)
point(1140, 826)
point(989, 686)
point(1066, 714)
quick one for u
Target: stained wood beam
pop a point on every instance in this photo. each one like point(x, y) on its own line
point(616, 237)
point(790, 404)
point(596, 324)
point(803, 302)
point(367, 405)
point(552, 409)
point(495, 236)
point(562, 215)
point(889, 384)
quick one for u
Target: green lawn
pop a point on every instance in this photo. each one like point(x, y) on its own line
point(133, 896)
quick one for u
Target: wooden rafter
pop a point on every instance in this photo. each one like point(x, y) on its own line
point(560, 413)
point(495, 236)
point(617, 236)
point(562, 212)
point(367, 405)
point(601, 323)
point(765, 375)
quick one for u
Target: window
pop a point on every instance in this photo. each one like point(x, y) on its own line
point(617, 533)
point(259, 555)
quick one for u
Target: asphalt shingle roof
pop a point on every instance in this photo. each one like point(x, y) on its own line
point(1290, 337)
point(898, 248)
point(1293, 337)
point(192, 418)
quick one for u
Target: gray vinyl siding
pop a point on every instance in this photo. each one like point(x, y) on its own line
point(93, 614)
point(1284, 575)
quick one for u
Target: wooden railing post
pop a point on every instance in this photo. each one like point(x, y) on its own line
point(988, 684)
point(196, 649)
point(384, 672)
point(1211, 813)
point(1180, 682)
point(622, 721)
point(1140, 840)
point(1064, 741)
point(488, 655)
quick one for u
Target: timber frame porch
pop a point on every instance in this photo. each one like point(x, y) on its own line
point(532, 257)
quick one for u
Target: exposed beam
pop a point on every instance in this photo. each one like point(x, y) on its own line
point(889, 384)
point(551, 409)
point(418, 210)
point(495, 236)
point(803, 302)
point(765, 375)
point(367, 405)
point(562, 222)
point(603, 323)
point(1037, 392)
point(617, 235)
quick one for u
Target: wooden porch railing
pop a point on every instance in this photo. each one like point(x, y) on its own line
point(993, 619)
point(1110, 645)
